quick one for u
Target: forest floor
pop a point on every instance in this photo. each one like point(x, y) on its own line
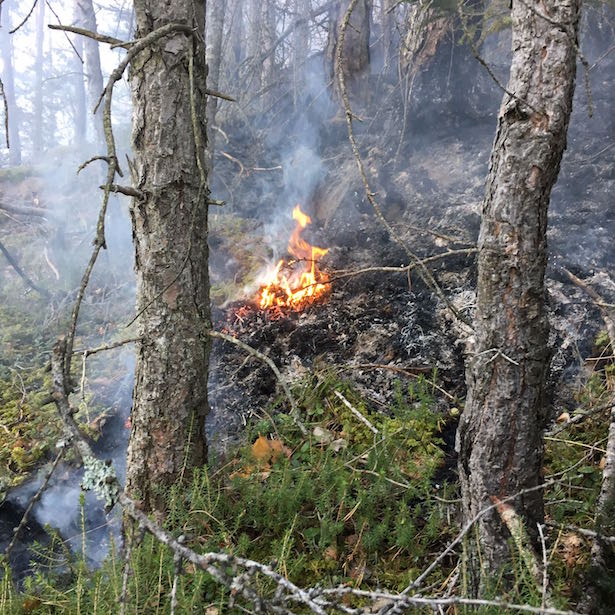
point(364, 502)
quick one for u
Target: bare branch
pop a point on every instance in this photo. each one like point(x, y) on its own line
point(15, 265)
point(101, 38)
point(25, 19)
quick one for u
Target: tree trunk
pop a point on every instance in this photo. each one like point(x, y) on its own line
point(8, 80)
point(37, 137)
point(499, 440)
point(86, 18)
point(215, 25)
point(355, 55)
point(255, 41)
point(80, 121)
point(170, 234)
point(301, 47)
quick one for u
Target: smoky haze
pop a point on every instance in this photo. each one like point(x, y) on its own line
point(424, 114)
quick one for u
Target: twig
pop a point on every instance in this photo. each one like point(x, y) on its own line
point(15, 265)
point(65, 34)
point(35, 498)
point(24, 19)
point(93, 159)
point(545, 566)
point(90, 351)
point(356, 412)
point(217, 94)
point(406, 371)
point(274, 369)
point(125, 190)
point(581, 530)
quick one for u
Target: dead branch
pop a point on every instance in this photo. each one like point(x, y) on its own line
point(25, 19)
point(70, 42)
point(340, 275)
point(237, 162)
point(217, 94)
point(581, 530)
point(425, 274)
point(89, 161)
point(113, 345)
point(101, 38)
point(51, 265)
point(35, 212)
point(125, 190)
point(599, 301)
point(15, 265)
point(274, 369)
point(33, 500)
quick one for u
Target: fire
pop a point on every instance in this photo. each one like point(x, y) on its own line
point(299, 281)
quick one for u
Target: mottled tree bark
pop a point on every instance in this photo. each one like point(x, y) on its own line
point(500, 434)
point(86, 18)
point(355, 55)
point(170, 235)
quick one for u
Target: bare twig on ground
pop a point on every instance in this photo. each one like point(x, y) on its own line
point(274, 368)
point(356, 412)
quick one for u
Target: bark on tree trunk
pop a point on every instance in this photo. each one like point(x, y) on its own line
point(499, 440)
point(170, 235)
point(86, 18)
point(355, 55)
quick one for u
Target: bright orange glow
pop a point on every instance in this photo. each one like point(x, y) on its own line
point(298, 282)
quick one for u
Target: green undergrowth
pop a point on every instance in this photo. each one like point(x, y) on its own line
point(342, 505)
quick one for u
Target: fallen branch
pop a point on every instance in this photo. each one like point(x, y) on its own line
point(33, 500)
point(15, 265)
point(35, 212)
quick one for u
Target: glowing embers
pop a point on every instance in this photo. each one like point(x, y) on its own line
point(298, 282)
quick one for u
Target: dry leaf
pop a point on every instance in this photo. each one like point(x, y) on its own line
point(331, 553)
point(572, 549)
point(261, 449)
point(212, 610)
point(564, 417)
point(278, 448)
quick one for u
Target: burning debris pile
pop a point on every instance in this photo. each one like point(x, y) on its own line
point(294, 284)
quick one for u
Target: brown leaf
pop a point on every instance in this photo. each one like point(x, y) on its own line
point(261, 449)
point(278, 448)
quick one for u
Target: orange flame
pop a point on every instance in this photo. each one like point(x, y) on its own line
point(295, 283)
